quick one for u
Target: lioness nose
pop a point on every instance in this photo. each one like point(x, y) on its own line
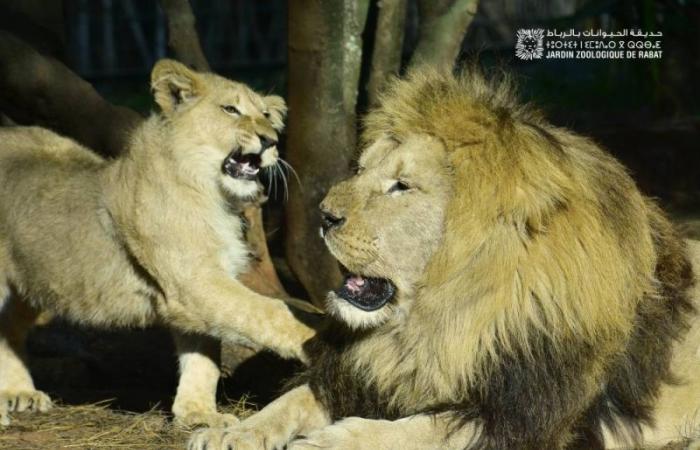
point(266, 142)
point(328, 220)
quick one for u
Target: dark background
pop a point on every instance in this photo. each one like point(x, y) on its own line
point(647, 112)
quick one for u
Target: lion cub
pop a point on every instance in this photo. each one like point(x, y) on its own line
point(153, 237)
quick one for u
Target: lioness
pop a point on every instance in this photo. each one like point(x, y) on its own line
point(508, 287)
point(153, 237)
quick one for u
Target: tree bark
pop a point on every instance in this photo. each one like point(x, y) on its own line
point(182, 34)
point(443, 24)
point(325, 52)
point(388, 43)
point(40, 90)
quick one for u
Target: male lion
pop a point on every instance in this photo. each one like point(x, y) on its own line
point(508, 287)
point(154, 236)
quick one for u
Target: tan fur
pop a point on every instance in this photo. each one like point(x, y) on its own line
point(509, 235)
point(151, 237)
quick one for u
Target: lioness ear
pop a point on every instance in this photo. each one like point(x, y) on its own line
point(277, 110)
point(174, 84)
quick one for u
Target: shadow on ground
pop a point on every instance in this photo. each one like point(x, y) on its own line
point(115, 389)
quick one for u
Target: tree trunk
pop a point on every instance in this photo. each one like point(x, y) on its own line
point(443, 24)
point(325, 52)
point(388, 43)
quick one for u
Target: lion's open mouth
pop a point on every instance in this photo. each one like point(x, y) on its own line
point(366, 293)
point(241, 166)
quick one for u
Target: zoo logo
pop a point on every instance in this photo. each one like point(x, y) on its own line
point(530, 44)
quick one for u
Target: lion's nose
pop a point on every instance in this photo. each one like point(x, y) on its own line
point(266, 142)
point(329, 220)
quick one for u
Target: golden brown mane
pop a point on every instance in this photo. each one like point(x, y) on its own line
point(544, 232)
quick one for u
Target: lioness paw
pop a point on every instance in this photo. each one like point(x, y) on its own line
point(206, 419)
point(19, 401)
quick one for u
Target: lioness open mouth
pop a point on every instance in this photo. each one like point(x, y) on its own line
point(366, 293)
point(241, 166)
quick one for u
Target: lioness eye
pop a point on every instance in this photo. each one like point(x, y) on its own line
point(230, 109)
point(399, 186)
point(266, 114)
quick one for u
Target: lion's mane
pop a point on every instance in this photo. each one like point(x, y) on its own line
point(556, 282)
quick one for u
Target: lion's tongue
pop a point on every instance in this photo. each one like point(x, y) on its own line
point(355, 284)
point(366, 293)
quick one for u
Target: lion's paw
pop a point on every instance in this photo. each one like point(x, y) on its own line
point(205, 419)
point(19, 401)
point(348, 434)
point(235, 438)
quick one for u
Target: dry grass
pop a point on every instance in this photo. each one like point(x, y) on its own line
point(96, 426)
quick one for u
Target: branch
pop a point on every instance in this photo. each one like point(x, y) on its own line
point(38, 89)
point(388, 43)
point(183, 38)
point(442, 28)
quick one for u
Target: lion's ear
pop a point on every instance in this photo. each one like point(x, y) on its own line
point(174, 84)
point(277, 109)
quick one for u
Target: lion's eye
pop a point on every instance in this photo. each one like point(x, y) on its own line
point(266, 114)
point(399, 186)
point(230, 109)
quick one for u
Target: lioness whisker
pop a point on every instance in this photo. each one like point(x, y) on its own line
point(273, 175)
point(284, 180)
point(291, 170)
point(269, 180)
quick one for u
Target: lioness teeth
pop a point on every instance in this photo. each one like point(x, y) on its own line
point(241, 166)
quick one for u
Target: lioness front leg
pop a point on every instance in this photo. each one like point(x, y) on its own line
point(295, 413)
point(17, 391)
point(195, 402)
point(225, 308)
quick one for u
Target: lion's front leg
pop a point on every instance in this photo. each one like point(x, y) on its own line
point(295, 413)
point(419, 432)
point(195, 401)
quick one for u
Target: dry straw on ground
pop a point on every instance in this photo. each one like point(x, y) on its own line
point(97, 426)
